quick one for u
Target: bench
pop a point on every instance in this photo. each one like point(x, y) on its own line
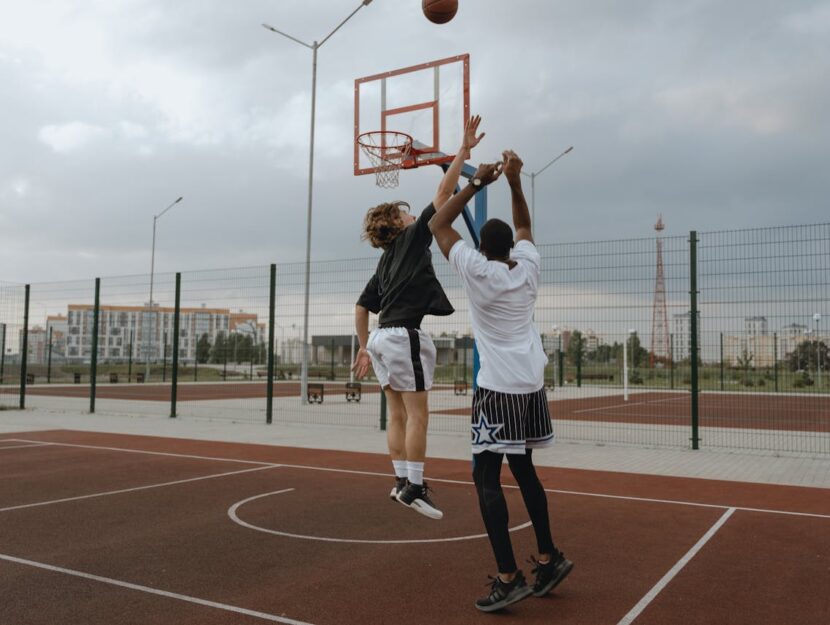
point(113, 378)
point(353, 391)
point(315, 393)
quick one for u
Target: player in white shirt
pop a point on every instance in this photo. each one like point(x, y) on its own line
point(510, 410)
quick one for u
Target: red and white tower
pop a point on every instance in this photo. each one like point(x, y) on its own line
point(660, 317)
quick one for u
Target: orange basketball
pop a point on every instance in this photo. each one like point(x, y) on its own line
point(439, 11)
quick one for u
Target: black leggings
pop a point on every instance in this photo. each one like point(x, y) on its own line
point(487, 477)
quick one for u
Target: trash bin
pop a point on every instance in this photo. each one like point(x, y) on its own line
point(30, 378)
point(139, 377)
point(113, 378)
point(77, 378)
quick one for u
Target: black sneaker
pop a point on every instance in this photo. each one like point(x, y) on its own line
point(502, 594)
point(417, 496)
point(400, 484)
point(549, 574)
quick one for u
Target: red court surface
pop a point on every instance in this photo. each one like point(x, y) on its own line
point(103, 529)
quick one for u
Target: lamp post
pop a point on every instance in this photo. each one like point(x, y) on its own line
point(817, 318)
point(314, 46)
point(631, 332)
point(152, 270)
point(532, 177)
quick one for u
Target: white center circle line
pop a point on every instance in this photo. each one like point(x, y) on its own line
point(232, 513)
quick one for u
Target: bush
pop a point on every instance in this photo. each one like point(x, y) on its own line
point(634, 377)
point(747, 382)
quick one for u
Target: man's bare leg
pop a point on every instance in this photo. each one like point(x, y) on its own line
point(396, 437)
point(415, 495)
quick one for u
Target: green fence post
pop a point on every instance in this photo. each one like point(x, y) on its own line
point(24, 356)
point(560, 360)
point(3, 355)
point(671, 361)
point(269, 384)
point(93, 369)
point(130, 358)
point(382, 410)
point(49, 359)
point(694, 336)
point(175, 381)
point(579, 368)
point(164, 358)
point(775, 358)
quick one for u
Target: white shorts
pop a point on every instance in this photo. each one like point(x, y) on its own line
point(403, 358)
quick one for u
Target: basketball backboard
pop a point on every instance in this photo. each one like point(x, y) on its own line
point(430, 102)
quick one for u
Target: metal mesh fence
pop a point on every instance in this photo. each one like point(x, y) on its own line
point(11, 327)
point(764, 295)
point(615, 317)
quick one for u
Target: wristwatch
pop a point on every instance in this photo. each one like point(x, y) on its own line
point(476, 182)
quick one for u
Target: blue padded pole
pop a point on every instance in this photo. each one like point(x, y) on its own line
point(473, 226)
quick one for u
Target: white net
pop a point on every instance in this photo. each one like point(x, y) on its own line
point(387, 151)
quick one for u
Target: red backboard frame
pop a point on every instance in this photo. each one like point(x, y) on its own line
point(422, 154)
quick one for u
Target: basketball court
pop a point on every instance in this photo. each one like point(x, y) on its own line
point(105, 528)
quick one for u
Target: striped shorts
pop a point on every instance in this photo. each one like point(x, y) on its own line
point(403, 358)
point(509, 423)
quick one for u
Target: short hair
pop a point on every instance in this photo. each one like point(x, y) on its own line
point(382, 223)
point(496, 239)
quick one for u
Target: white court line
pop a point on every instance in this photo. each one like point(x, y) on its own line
point(2, 447)
point(631, 403)
point(152, 453)
point(235, 518)
point(136, 488)
point(155, 591)
point(466, 483)
point(651, 594)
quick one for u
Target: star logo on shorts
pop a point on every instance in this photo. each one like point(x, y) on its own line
point(484, 432)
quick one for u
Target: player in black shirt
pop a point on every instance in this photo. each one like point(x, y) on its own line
point(403, 290)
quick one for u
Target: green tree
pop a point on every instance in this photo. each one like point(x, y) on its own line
point(576, 348)
point(203, 349)
point(636, 352)
point(219, 349)
point(807, 355)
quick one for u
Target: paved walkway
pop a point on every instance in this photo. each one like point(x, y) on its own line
point(742, 467)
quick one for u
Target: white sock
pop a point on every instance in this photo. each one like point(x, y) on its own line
point(400, 468)
point(416, 472)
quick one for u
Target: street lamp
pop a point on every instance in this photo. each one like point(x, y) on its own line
point(532, 177)
point(314, 46)
point(152, 270)
point(817, 318)
point(631, 332)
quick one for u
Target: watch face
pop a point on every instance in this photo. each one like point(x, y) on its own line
point(476, 182)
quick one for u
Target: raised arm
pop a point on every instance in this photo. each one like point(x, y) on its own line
point(521, 215)
point(441, 224)
point(450, 180)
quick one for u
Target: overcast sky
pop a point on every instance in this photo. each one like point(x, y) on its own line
point(715, 114)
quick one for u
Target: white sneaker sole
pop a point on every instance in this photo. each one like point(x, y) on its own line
point(428, 511)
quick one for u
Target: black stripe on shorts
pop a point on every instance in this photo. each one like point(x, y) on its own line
point(415, 350)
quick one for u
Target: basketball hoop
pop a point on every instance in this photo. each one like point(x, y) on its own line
point(387, 150)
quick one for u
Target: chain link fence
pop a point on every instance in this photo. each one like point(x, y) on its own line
point(716, 340)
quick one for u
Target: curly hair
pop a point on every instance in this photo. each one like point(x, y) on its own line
point(382, 223)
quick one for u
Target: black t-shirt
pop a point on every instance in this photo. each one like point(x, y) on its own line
point(404, 287)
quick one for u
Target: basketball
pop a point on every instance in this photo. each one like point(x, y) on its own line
point(439, 11)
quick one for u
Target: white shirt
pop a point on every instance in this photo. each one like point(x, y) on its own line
point(501, 310)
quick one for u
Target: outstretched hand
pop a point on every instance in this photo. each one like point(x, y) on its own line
point(361, 363)
point(488, 172)
point(512, 165)
point(470, 139)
